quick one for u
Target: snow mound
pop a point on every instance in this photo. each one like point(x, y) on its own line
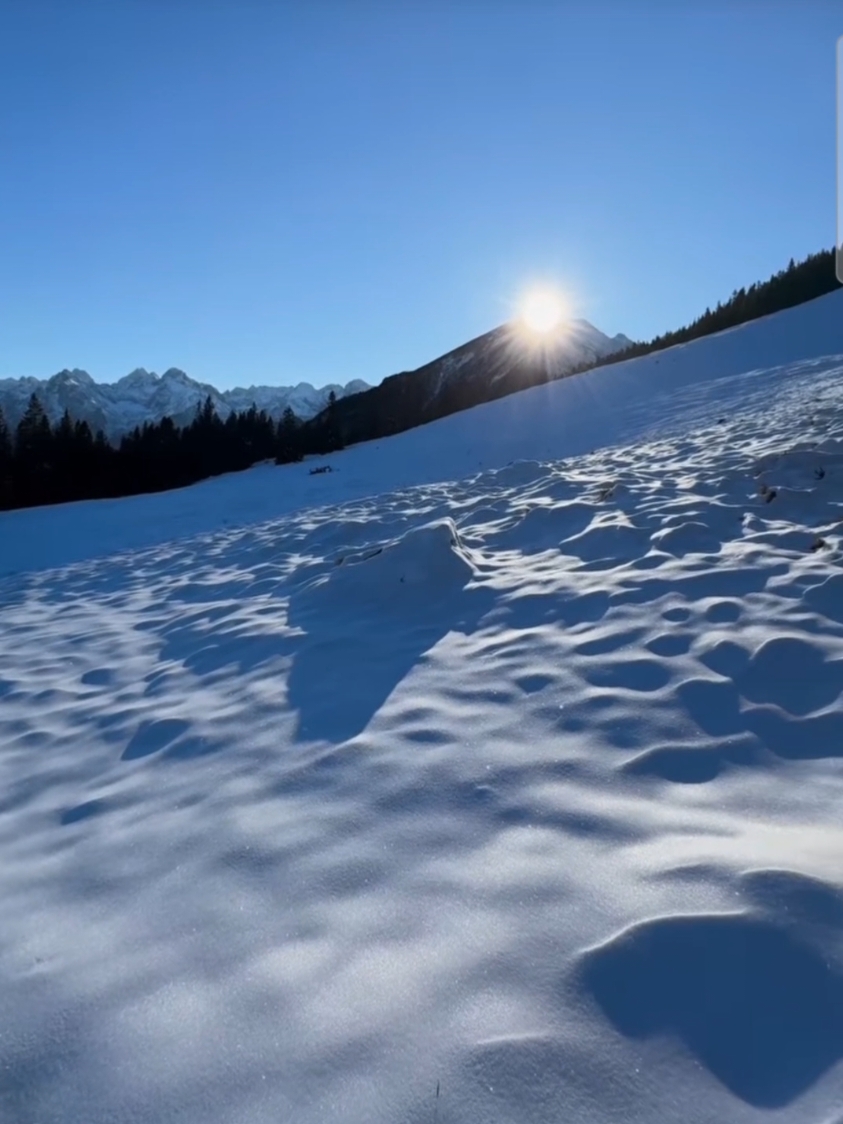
point(520, 472)
point(756, 1007)
point(422, 567)
point(802, 467)
point(546, 526)
point(608, 541)
point(687, 538)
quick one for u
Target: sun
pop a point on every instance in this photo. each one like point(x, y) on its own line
point(542, 310)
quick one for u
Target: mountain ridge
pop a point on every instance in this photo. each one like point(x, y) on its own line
point(142, 395)
point(474, 371)
point(507, 359)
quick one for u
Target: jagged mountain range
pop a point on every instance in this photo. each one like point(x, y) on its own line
point(116, 408)
point(492, 365)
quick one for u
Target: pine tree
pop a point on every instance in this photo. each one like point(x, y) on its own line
point(5, 442)
point(33, 436)
point(206, 414)
point(65, 437)
point(288, 440)
point(333, 435)
point(7, 484)
point(82, 434)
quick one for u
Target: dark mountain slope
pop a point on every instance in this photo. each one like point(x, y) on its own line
point(493, 365)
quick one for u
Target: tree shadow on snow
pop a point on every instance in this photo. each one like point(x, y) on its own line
point(369, 620)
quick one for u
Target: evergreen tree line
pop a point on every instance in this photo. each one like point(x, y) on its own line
point(800, 282)
point(42, 463)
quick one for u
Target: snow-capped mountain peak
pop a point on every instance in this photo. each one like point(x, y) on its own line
point(139, 377)
point(143, 395)
point(72, 378)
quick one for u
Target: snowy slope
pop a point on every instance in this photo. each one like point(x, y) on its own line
point(619, 403)
point(519, 781)
point(501, 362)
point(143, 396)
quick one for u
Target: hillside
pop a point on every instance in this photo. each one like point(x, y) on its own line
point(42, 462)
point(493, 776)
point(492, 366)
point(616, 403)
point(506, 361)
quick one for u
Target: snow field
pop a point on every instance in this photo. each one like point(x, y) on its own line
point(525, 783)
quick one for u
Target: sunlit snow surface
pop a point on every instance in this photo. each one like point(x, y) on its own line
point(525, 784)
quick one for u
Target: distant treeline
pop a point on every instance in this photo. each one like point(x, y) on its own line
point(800, 282)
point(42, 464)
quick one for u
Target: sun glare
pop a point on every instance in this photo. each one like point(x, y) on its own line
point(542, 310)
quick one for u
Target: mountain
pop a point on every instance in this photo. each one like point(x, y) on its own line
point(141, 396)
point(493, 365)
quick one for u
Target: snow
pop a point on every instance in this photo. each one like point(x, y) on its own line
point(143, 396)
point(503, 759)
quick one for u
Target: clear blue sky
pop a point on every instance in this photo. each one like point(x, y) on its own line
point(270, 191)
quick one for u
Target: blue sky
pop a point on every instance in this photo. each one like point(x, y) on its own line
point(262, 191)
